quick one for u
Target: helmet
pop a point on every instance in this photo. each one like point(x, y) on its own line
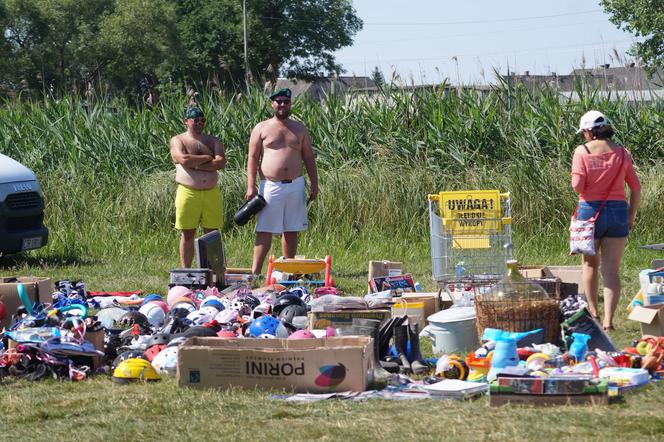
point(302, 334)
point(298, 291)
point(226, 334)
point(135, 369)
point(213, 301)
point(283, 330)
point(134, 317)
point(159, 339)
point(154, 313)
point(226, 316)
point(152, 351)
point(266, 336)
point(161, 304)
point(262, 309)
point(250, 300)
point(209, 310)
point(266, 324)
point(129, 354)
point(110, 317)
point(198, 317)
point(175, 292)
point(184, 302)
point(198, 331)
point(152, 297)
point(284, 300)
point(290, 311)
point(166, 361)
point(177, 341)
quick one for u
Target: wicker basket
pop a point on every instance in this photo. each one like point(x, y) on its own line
point(550, 285)
point(520, 316)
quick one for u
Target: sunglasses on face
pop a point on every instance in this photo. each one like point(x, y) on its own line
point(198, 120)
point(282, 102)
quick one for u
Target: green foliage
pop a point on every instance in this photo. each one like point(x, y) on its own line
point(282, 35)
point(645, 19)
point(139, 39)
point(109, 46)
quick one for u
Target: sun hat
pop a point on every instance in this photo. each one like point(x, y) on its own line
point(592, 119)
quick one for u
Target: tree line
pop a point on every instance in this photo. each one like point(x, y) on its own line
point(121, 46)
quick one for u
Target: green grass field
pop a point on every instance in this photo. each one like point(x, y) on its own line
point(52, 410)
point(109, 189)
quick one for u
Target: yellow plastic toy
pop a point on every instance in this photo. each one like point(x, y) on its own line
point(301, 266)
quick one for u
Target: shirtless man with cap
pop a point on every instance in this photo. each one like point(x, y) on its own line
point(277, 149)
point(197, 159)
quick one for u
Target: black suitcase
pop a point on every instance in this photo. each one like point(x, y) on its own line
point(191, 278)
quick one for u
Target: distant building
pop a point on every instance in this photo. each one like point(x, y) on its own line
point(321, 87)
point(630, 83)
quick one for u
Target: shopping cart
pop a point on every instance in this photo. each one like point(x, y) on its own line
point(471, 237)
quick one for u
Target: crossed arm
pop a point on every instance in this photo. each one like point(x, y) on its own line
point(198, 162)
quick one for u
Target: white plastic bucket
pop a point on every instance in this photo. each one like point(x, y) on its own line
point(452, 330)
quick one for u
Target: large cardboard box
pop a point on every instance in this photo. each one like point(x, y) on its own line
point(567, 274)
point(344, 318)
point(651, 318)
point(383, 268)
point(38, 288)
point(302, 365)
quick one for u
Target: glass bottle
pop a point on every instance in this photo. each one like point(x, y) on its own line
point(515, 287)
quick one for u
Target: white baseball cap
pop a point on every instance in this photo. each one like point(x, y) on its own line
point(592, 119)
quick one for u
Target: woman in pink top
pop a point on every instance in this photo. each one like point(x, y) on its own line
point(600, 169)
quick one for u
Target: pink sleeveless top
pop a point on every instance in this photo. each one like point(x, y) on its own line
point(593, 174)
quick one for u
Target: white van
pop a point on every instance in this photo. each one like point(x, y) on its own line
point(21, 208)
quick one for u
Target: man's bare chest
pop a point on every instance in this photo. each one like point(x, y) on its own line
point(197, 147)
point(282, 139)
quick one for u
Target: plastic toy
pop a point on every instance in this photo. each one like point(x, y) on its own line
point(579, 347)
point(300, 267)
point(479, 367)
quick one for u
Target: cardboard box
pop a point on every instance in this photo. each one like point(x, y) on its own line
point(651, 318)
point(567, 274)
point(383, 268)
point(97, 338)
point(344, 318)
point(304, 365)
point(570, 277)
point(431, 302)
point(445, 299)
point(38, 288)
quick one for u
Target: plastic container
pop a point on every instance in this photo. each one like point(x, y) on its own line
point(452, 330)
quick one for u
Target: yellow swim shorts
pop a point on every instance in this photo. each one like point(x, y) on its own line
point(194, 207)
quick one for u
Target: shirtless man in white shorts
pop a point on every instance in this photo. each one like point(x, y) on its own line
point(277, 149)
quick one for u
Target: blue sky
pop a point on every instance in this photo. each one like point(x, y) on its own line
point(425, 41)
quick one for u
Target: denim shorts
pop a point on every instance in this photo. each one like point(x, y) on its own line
point(612, 220)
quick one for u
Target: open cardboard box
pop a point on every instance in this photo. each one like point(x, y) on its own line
point(306, 365)
point(651, 318)
point(38, 288)
point(383, 268)
point(570, 276)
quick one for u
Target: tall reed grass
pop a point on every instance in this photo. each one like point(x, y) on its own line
point(106, 170)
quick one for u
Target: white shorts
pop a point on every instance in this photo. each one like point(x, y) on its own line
point(286, 209)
